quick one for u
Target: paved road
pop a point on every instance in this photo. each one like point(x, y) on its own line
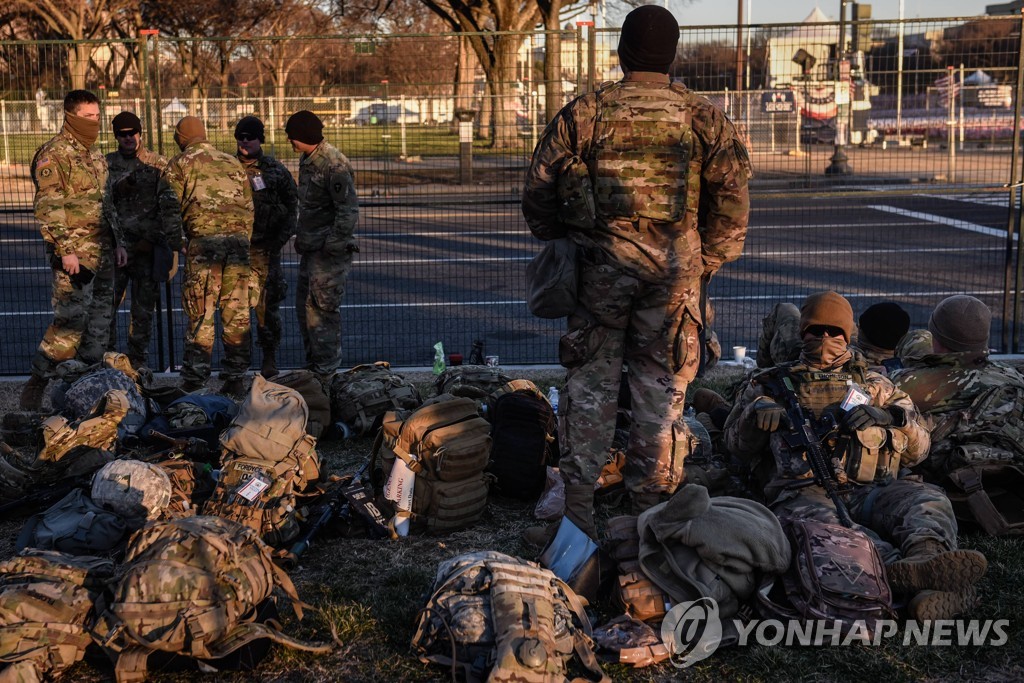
point(452, 271)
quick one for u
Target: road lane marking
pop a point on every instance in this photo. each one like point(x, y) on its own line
point(941, 220)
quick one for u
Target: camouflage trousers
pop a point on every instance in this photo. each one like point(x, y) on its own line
point(145, 294)
point(895, 515)
point(654, 330)
point(318, 295)
point(81, 319)
point(216, 276)
point(780, 336)
point(267, 289)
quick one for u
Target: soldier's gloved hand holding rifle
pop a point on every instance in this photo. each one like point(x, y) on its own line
point(769, 415)
point(864, 416)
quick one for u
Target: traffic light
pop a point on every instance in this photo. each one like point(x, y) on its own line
point(861, 27)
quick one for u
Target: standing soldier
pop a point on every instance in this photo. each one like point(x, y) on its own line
point(132, 185)
point(325, 239)
point(273, 191)
point(669, 177)
point(211, 190)
point(83, 241)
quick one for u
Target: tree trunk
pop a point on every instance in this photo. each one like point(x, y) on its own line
point(78, 58)
point(552, 68)
point(503, 96)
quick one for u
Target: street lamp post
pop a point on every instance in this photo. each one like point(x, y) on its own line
point(839, 164)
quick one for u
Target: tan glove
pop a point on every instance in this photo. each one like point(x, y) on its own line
point(174, 267)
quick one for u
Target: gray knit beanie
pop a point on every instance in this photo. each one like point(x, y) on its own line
point(961, 323)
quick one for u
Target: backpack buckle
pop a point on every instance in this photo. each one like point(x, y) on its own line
point(968, 479)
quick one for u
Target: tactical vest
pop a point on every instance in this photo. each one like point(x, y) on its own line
point(642, 146)
point(818, 390)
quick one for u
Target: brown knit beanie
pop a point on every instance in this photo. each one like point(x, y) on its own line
point(961, 323)
point(189, 130)
point(827, 308)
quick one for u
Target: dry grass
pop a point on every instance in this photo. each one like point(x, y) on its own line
point(371, 592)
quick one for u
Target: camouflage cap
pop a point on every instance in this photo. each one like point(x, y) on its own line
point(961, 323)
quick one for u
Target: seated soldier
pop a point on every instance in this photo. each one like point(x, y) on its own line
point(911, 523)
point(880, 328)
point(946, 382)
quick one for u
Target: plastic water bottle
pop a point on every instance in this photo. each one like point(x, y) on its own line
point(553, 398)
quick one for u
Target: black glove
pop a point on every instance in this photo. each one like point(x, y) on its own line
point(864, 416)
point(769, 416)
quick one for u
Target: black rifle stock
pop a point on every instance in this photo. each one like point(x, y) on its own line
point(803, 437)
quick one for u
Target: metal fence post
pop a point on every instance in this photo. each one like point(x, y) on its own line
point(1014, 190)
point(3, 118)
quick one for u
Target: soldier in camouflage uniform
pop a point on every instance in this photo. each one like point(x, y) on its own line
point(83, 243)
point(669, 177)
point(132, 184)
point(273, 191)
point(912, 523)
point(212, 192)
point(325, 240)
point(945, 378)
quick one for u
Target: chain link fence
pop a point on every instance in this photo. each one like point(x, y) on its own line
point(893, 174)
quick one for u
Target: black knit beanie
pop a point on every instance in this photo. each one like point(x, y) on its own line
point(126, 121)
point(884, 324)
point(305, 126)
point(251, 126)
point(648, 39)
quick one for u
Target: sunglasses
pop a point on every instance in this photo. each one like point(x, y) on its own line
point(822, 330)
point(245, 137)
point(125, 133)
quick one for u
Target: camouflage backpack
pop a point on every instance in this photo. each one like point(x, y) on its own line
point(75, 400)
point(192, 587)
point(498, 618)
point(836, 574)
point(992, 428)
point(266, 459)
point(474, 381)
point(312, 391)
point(45, 600)
point(439, 451)
point(98, 428)
point(361, 396)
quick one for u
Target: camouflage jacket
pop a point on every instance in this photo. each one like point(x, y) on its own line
point(275, 198)
point(878, 359)
point(714, 226)
point(328, 206)
point(776, 465)
point(76, 214)
point(133, 183)
point(940, 383)
point(210, 190)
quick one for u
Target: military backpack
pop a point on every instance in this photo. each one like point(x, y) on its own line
point(836, 574)
point(474, 381)
point(429, 465)
point(313, 392)
point(267, 458)
point(992, 428)
point(360, 396)
point(524, 440)
point(75, 524)
point(498, 618)
point(192, 587)
point(45, 601)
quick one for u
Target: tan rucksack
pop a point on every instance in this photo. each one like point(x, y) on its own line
point(193, 587)
point(267, 459)
point(499, 618)
point(45, 600)
point(318, 402)
point(446, 444)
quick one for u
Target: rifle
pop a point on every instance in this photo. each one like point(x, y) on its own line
point(40, 497)
point(702, 337)
point(344, 494)
point(191, 446)
point(803, 437)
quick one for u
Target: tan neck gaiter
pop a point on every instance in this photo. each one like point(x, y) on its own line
point(82, 129)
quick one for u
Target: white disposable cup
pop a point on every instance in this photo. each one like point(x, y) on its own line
point(739, 353)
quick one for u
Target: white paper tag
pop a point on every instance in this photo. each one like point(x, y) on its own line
point(252, 489)
point(257, 183)
point(855, 396)
point(400, 484)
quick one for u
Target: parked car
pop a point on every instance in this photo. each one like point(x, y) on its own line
point(381, 113)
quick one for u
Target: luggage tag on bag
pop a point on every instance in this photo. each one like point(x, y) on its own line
point(254, 488)
point(257, 183)
point(855, 396)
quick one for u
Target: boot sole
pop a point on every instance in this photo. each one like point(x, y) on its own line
point(943, 605)
point(949, 571)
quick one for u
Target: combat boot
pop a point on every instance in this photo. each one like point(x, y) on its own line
point(929, 566)
point(269, 367)
point(233, 388)
point(32, 393)
point(579, 507)
point(932, 605)
point(706, 400)
point(189, 385)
